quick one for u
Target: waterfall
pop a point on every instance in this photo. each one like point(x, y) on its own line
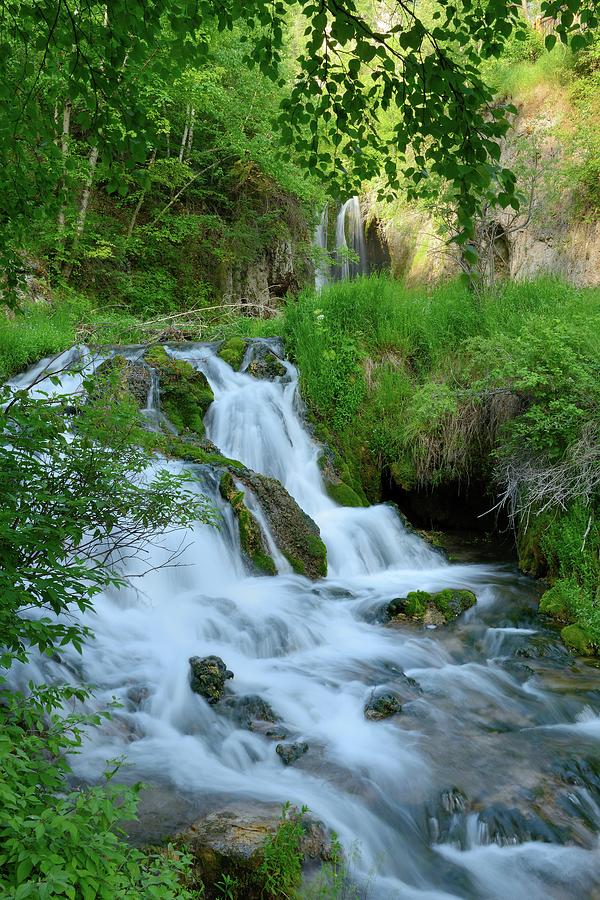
point(350, 234)
point(320, 243)
point(472, 724)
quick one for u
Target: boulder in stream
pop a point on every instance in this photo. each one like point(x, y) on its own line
point(232, 842)
point(437, 608)
point(232, 351)
point(266, 366)
point(185, 393)
point(122, 379)
point(208, 677)
point(382, 706)
point(249, 710)
point(291, 752)
point(295, 533)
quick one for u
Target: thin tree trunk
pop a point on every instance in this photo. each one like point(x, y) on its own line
point(138, 205)
point(64, 148)
point(185, 134)
point(83, 207)
point(190, 139)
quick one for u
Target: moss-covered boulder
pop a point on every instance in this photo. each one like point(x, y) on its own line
point(251, 538)
point(294, 532)
point(382, 706)
point(343, 494)
point(562, 600)
point(185, 393)
point(579, 639)
point(339, 483)
point(268, 367)
point(122, 379)
point(232, 351)
point(430, 608)
point(208, 675)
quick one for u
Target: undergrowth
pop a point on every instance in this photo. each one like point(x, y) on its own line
point(437, 387)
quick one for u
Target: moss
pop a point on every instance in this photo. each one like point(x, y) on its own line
point(185, 394)
point(251, 538)
point(269, 367)
point(416, 604)
point(232, 351)
point(561, 600)
point(296, 564)
point(452, 602)
point(343, 494)
point(317, 549)
point(578, 639)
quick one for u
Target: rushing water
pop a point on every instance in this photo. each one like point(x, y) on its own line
point(486, 785)
point(350, 234)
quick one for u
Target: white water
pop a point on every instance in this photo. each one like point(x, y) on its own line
point(314, 652)
point(320, 242)
point(350, 234)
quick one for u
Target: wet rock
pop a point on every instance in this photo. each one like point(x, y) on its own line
point(185, 393)
point(382, 706)
point(232, 351)
point(121, 379)
point(267, 366)
point(437, 608)
point(273, 731)
point(446, 817)
point(208, 677)
point(291, 752)
point(251, 538)
point(294, 532)
point(249, 710)
point(231, 842)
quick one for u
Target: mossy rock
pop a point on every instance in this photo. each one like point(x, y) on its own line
point(251, 538)
point(579, 639)
point(268, 367)
point(343, 494)
point(431, 608)
point(120, 379)
point(561, 600)
point(185, 393)
point(232, 351)
point(294, 532)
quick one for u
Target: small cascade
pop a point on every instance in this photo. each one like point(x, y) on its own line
point(320, 243)
point(484, 785)
point(350, 235)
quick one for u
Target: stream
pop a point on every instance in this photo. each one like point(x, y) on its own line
point(487, 785)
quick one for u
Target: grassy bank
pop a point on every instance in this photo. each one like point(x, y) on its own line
point(444, 387)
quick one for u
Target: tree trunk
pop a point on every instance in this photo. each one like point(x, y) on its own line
point(138, 205)
point(190, 139)
point(185, 134)
point(64, 147)
point(83, 207)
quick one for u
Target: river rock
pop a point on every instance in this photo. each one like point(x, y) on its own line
point(291, 752)
point(251, 537)
point(249, 710)
point(295, 533)
point(437, 608)
point(185, 393)
point(231, 842)
point(208, 677)
point(382, 706)
point(266, 366)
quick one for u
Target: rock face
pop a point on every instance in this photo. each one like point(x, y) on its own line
point(430, 609)
point(185, 394)
point(208, 677)
point(251, 537)
point(291, 752)
point(249, 711)
point(382, 706)
point(294, 532)
point(231, 842)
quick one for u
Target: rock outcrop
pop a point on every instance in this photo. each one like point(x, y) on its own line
point(251, 538)
point(185, 393)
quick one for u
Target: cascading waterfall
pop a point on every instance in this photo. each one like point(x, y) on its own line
point(320, 243)
point(350, 234)
point(457, 797)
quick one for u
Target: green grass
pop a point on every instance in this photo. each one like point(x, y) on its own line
point(431, 387)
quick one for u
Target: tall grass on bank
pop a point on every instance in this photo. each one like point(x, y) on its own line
point(442, 386)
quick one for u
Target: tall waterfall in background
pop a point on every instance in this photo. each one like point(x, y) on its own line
point(350, 234)
point(320, 242)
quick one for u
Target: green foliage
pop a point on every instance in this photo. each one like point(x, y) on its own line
point(416, 603)
point(70, 504)
point(281, 868)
